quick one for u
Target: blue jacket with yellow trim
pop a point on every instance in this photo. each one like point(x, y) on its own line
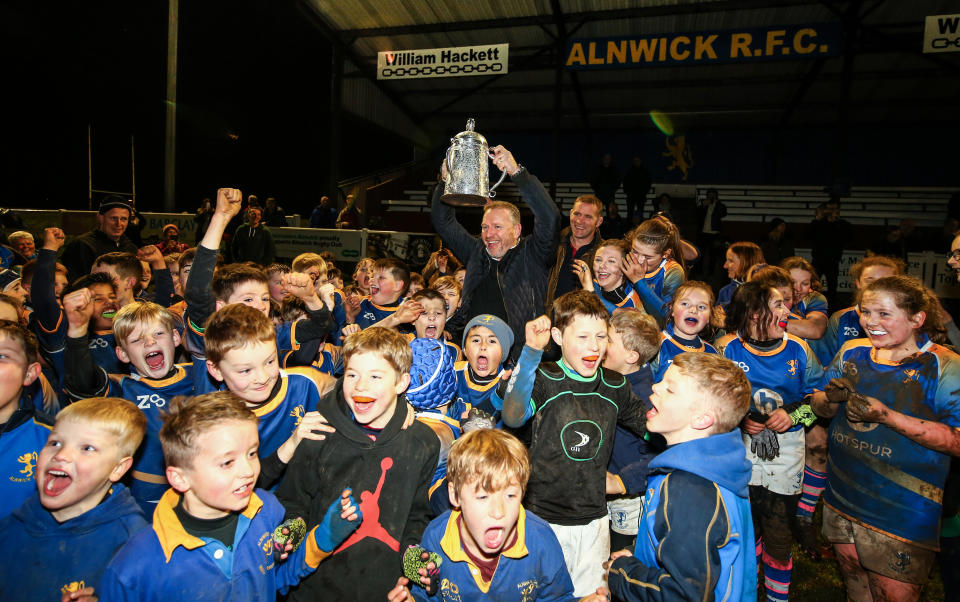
point(49, 558)
point(166, 563)
point(21, 439)
point(696, 533)
point(531, 569)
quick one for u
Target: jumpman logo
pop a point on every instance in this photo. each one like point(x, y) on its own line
point(370, 507)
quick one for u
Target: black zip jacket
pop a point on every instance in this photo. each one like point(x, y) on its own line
point(389, 477)
point(524, 269)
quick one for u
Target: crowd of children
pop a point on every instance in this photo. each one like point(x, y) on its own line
point(240, 432)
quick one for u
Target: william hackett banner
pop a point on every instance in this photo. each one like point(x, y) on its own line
point(703, 47)
point(443, 62)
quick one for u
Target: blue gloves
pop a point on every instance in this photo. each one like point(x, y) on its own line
point(333, 530)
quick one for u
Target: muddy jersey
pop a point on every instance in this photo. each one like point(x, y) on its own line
point(876, 476)
point(570, 435)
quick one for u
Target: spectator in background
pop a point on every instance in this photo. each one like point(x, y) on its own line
point(636, 185)
point(779, 243)
point(828, 234)
point(899, 240)
point(324, 215)
point(113, 218)
point(710, 214)
point(22, 242)
point(613, 226)
point(577, 241)
point(349, 217)
point(135, 226)
point(170, 243)
point(605, 180)
point(253, 241)
point(202, 219)
point(273, 214)
point(662, 205)
point(441, 263)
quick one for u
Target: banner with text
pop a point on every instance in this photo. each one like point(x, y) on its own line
point(702, 47)
point(443, 62)
point(941, 33)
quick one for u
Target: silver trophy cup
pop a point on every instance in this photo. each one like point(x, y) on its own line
point(468, 170)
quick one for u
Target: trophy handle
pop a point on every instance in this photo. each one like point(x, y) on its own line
point(493, 189)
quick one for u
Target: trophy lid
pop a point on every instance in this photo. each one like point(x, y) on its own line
point(469, 134)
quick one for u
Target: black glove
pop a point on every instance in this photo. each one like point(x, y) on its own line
point(765, 444)
point(839, 390)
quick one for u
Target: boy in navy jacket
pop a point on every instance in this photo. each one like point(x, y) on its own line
point(696, 492)
point(60, 540)
point(213, 534)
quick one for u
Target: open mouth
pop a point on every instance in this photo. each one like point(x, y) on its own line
point(652, 412)
point(483, 363)
point(109, 314)
point(493, 538)
point(431, 332)
point(244, 490)
point(154, 360)
point(782, 324)
point(374, 289)
point(876, 333)
point(55, 482)
point(691, 321)
point(590, 361)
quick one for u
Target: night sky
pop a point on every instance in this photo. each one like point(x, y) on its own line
point(253, 99)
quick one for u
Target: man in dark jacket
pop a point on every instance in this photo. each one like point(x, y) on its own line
point(710, 214)
point(109, 237)
point(506, 276)
point(253, 241)
point(577, 242)
point(636, 185)
point(605, 180)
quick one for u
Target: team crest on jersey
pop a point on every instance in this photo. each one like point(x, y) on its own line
point(527, 590)
point(767, 401)
point(29, 461)
point(792, 366)
point(265, 543)
point(298, 413)
point(73, 586)
point(911, 374)
point(581, 439)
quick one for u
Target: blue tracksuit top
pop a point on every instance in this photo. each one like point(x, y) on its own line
point(165, 563)
point(530, 569)
point(48, 558)
point(21, 439)
point(696, 533)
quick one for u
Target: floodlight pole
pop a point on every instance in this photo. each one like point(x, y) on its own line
point(170, 137)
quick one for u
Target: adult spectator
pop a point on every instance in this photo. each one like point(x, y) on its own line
point(710, 214)
point(324, 215)
point(170, 242)
point(23, 243)
point(828, 234)
point(605, 180)
point(636, 185)
point(441, 263)
point(113, 217)
point(577, 241)
point(349, 217)
point(202, 219)
point(505, 276)
point(135, 225)
point(778, 245)
point(614, 225)
point(273, 214)
point(253, 241)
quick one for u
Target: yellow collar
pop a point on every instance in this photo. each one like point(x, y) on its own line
point(170, 531)
point(453, 547)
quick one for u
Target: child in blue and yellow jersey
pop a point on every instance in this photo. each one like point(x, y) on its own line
point(486, 340)
point(809, 304)
point(79, 514)
point(207, 291)
point(316, 267)
point(212, 536)
point(23, 429)
point(655, 265)
point(783, 372)
point(100, 337)
point(242, 356)
point(388, 285)
point(894, 399)
point(432, 319)
point(147, 341)
point(690, 314)
point(490, 546)
point(696, 492)
point(609, 282)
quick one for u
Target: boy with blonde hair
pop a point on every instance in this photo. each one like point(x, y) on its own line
point(573, 406)
point(79, 514)
point(696, 492)
point(146, 340)
point(214, 535)
point(391, 469)
point(489, 546)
